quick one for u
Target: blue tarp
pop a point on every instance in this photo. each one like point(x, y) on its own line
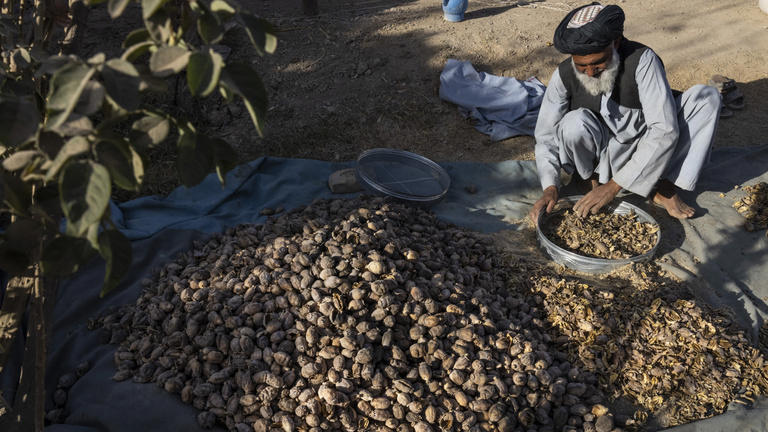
point(733, 264)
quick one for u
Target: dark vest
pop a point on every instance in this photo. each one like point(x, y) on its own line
point(624, 91)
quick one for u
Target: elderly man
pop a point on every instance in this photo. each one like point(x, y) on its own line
point(609, 115)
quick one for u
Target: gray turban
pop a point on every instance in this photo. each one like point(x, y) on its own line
point(589, 29)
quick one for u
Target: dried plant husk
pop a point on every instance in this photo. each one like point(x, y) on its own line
point(602, 235)
point(754, 206)
point(651, 343)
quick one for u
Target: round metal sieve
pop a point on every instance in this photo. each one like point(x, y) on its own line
point(590, 264)
point(404, 175)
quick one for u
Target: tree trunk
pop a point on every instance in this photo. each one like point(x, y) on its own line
point(28, 411)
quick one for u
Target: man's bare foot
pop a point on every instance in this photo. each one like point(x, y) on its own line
point(666, 196)
point(674, 206)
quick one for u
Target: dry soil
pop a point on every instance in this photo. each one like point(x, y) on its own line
point(365, 73)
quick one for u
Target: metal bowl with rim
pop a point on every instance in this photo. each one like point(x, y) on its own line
point(403, 175)
point(590, 264)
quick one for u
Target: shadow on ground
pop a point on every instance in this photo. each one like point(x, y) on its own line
point(748, 126)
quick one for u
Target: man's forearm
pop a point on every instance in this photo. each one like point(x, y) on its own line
point(613, 186)
point(549, 176)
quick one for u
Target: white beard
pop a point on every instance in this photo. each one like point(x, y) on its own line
point(602, 84)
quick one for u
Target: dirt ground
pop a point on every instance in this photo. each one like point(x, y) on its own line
point(365, 73)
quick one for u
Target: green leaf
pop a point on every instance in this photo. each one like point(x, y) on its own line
point(76, 125)
point(224, 156)
point(17, 87)
point(159, 26)
point(226, 93)
point(257, 116)
point(149, 131)
point(21, 242)
point(67, 82)
point(49, 142)
point(18, 195)
point(113, 109)
point(19, 120)
point(137, 50)
point(223, 9)
point(21, 58)
point(168, 60)
point(137, 164)
point(52, 64)
point(33, 172)
point(84, 189)
point(241, 79)
point(47, 203)
point(12, 260)
point(116, 7)
point(260, 32)
point(195, 158)
point(149, 7)
point(153, 84)
point(75, 146)
point(97, 59)
point(24, 234)
point(122, 81)
point(20, 159)
point(187, 19)
point(64, 254)
point(124, 164)
point(115, 248)
point(91, 98)
point(209, 28)
point(203, 72)
point(135, 37)
point(92, 235)
point(66, 86)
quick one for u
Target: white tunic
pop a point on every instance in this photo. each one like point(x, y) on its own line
point(635, 147)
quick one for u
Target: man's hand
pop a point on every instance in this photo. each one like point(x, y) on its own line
point(546, 202)
point(597, 198)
